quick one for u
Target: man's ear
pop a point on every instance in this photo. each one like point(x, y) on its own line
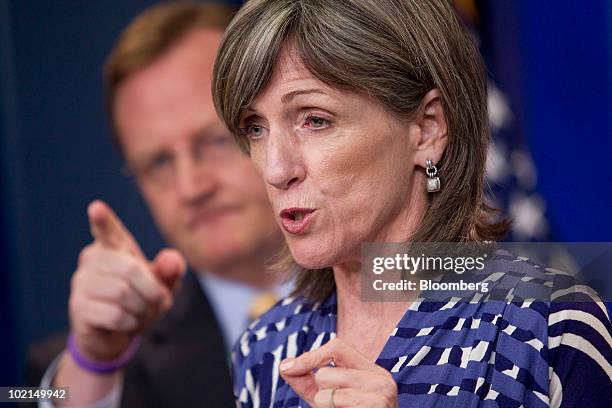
point(431, 120)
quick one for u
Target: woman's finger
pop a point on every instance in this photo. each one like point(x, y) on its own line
point(351, 397)
point(335, 351)
point(298, 372)
point(304, 385)
point(325, 398)
point(339, 377)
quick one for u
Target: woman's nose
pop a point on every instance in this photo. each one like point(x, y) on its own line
point(283, 166)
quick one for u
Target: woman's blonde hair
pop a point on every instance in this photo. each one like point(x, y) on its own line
point(395, 51)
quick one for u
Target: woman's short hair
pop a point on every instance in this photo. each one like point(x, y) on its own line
point(395, 51)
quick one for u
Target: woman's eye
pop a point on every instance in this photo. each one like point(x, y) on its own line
point(317, 122)
point(254, 132)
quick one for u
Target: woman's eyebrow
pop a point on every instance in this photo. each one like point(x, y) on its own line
point(288, 96)
point(249, 111)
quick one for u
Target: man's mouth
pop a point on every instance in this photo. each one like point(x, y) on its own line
point(210, 215)
point(295, 220)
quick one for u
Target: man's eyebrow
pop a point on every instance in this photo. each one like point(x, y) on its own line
point(209, 130)
point(288, 96)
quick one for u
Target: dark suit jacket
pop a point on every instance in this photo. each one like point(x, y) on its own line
point(182, 361)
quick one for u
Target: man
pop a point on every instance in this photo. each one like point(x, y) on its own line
point(208, 202)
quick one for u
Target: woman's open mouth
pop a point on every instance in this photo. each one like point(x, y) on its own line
point(296, 220)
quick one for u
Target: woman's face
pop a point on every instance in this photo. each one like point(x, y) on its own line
point(339, 169)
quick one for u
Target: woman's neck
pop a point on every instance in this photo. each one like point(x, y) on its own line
point(371, 323)
point(364, 325)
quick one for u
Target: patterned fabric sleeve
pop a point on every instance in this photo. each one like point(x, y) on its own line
point(240, 371)
point(580, 354)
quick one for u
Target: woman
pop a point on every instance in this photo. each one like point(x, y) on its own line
point(349, 109)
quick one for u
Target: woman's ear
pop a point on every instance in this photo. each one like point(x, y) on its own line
point(431, 120)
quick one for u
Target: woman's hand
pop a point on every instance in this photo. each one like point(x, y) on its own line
point(354, 381)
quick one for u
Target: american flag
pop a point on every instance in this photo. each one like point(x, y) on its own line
point(511, 175)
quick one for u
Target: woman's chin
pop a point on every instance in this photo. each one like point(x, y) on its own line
point(311, 258)
point(310, 263)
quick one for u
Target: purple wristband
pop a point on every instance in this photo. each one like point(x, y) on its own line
point(106, 366)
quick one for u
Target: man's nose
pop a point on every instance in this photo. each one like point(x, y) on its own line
point(193, 179)
point(283, 166)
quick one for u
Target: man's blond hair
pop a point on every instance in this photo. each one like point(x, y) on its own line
point(151, 34)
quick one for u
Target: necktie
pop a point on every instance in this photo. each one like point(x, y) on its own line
point(261, 304)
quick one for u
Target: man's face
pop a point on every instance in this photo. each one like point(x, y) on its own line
point(203, 192)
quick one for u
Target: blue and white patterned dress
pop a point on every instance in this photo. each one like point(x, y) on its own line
point(452, 354)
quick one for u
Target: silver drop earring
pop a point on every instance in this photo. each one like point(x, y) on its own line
point(433, 182)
